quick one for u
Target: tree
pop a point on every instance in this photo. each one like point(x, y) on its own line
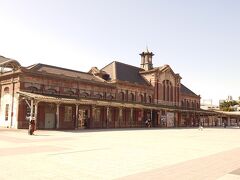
point(228, 105)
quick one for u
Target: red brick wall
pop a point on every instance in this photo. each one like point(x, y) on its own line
point(22, 122)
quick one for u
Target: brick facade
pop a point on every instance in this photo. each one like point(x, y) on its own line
point(117, 96)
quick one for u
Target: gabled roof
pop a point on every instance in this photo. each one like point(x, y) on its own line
point(167, 67)
point(124, 72)
point(187, 91)
point(63, 71)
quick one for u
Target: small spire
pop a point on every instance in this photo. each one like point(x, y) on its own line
point(147, 49)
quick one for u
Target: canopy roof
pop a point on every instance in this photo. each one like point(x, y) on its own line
point(9, 63)
point(97, 102)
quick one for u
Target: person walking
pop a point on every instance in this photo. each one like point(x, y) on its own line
point(146, 123)
point(31, 127)
point(224, 124)
point(200, 126)
point(149, 123)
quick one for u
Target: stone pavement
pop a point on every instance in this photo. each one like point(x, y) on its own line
point(121, 154)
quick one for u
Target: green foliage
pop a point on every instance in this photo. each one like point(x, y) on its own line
point(228, 105)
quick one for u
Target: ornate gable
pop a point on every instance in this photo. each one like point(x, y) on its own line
point(160, 74)
point(166, 73)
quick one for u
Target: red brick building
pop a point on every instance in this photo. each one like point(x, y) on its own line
point(117, 96)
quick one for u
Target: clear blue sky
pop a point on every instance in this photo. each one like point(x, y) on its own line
point(200, 39)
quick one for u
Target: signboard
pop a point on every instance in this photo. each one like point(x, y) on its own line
point(170, 119)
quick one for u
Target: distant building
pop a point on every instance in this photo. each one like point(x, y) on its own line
point(207, 102)
point(117, 96)
point(207, 105)
point(229, 98)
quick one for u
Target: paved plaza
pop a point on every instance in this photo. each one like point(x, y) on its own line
point(213, 153)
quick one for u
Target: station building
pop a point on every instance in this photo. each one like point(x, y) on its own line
point(116, 96)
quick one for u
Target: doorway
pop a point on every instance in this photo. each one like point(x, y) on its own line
point(49, 120)
point(83, 117)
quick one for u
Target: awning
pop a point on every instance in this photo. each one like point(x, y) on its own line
point(229, 113)
point(87, 101)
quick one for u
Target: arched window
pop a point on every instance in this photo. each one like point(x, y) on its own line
point(32, 89)
point(182, 103)
point(70, 92)
point(110, 97)
point(121, 96)
point(167, 90)
point(171, 92)
point(141, 98)
point(51, 91)
point(149, 99)
point(185, 103)
point(99, 96)
point(193, 104)
point(164, 91)
point(84, 94)
point(6, 90)
point(131, 97)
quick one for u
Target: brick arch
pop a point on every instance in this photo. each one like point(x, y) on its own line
point(85, 94)
point(121, 96)
point(131, 97)
point(6, 90)
point(51, 91)
point(70, 92)
point(149, 99)
point(110, 97)
point(32, 89)
point(141, 98)
point(99, 96)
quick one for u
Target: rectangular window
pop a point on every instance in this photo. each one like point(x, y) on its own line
point(68, 113)
point(6, 112)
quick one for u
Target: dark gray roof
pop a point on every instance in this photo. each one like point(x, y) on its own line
point(185, 90)
point(62, 71)
point(124, 72)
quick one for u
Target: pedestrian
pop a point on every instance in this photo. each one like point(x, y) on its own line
point(31, 127)
point(200, 126)
point(225, 125)
point(149, 122)
point(146, 123)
